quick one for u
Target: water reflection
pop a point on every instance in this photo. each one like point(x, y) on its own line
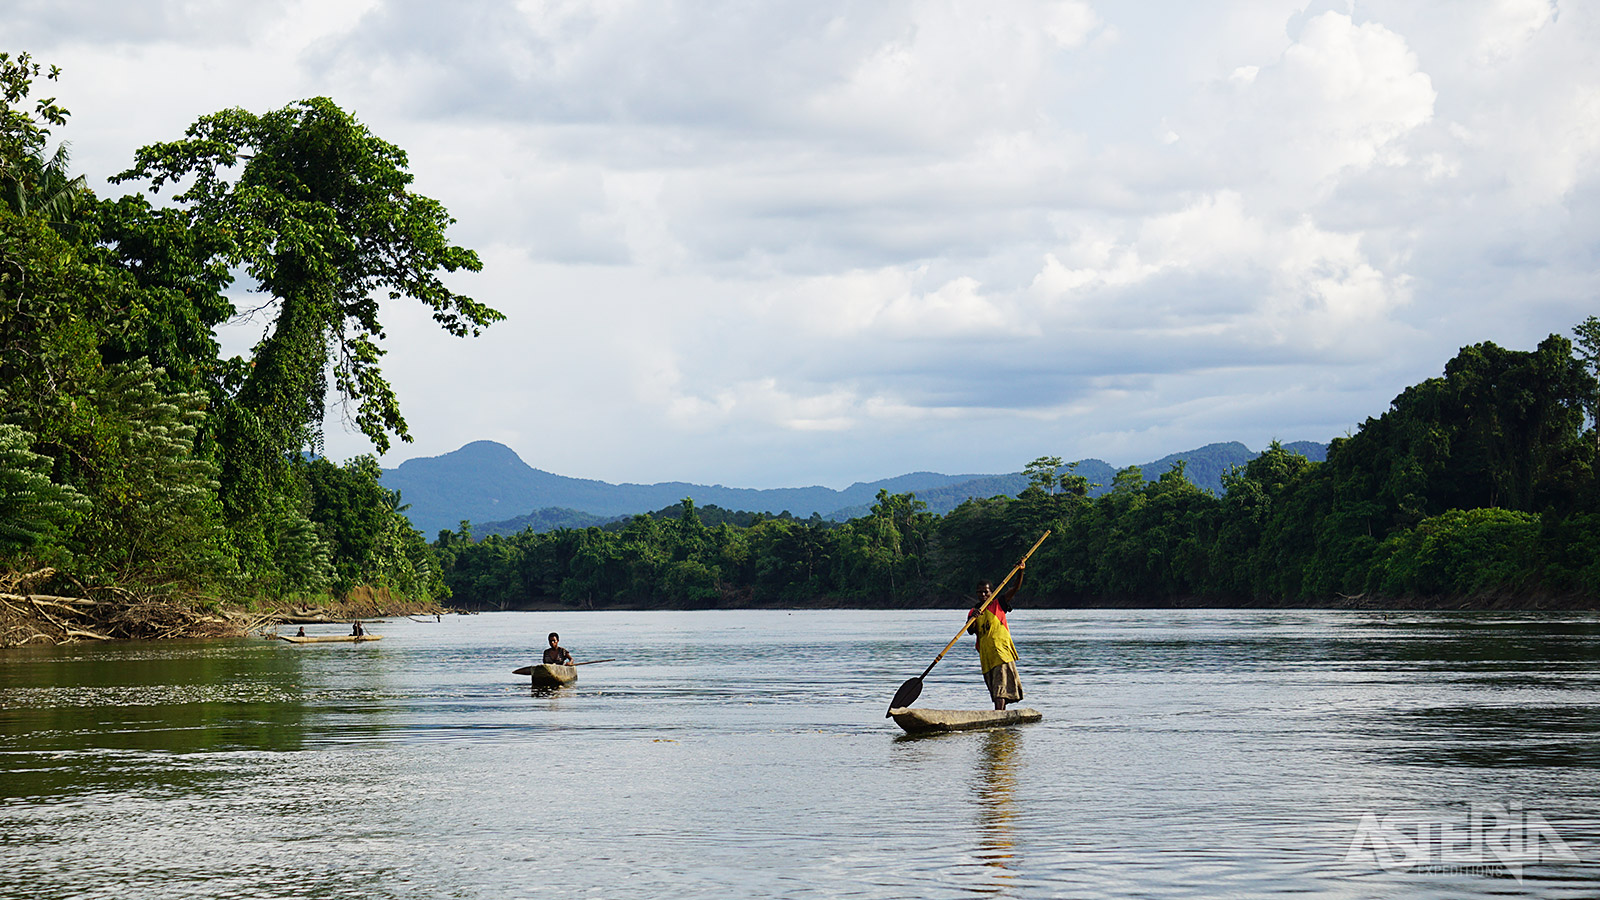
point(1493, 737)
point(995, 789)
point(127, 698)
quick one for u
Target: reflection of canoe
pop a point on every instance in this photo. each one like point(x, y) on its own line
point(546, 675)
point(330, 638)
point(922, 721)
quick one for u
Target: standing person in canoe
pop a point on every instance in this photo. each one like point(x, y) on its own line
point(557, 655)
point(996, 653)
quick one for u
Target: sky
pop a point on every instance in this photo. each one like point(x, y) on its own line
point(791, 243)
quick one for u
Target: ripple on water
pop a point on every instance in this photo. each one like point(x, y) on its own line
point(1183, 754)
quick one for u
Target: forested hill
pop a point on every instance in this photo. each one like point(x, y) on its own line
point(487, 482)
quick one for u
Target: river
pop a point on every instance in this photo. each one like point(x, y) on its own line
point(746, 755)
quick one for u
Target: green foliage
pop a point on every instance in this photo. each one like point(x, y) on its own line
point(155, 517)
point(304, 560)
point(319, 214)
point(1460, 552)
point(128, 447)
point(351, 511)
point(1240, 564)
point(368, 539)
point(317, 210)
point(24, 132)
point(1587, 334)
point(1041, 473)
point(54, 312)
point(170, 274)
point(1567, 553)
point(38, 184)
point(33, 509)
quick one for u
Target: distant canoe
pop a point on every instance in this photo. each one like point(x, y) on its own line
point(330, 638)
point(546, 675)
point(925, 721)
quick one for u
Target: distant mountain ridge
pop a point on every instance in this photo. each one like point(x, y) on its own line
point(487, 482)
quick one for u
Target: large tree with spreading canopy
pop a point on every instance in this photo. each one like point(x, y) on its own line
point(317, 211)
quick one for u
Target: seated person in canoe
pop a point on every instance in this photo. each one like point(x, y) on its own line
point(557, 655)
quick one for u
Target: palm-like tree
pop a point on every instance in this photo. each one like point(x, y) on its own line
point(40, 186)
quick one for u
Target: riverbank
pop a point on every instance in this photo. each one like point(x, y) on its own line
point(28, 617)
point(111, 614)
point(1485, 602)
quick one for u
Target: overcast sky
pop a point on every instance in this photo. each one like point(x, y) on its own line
point(772, 244)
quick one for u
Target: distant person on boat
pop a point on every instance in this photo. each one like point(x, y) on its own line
point(557, 655)
point(357, 630)
point(301, 632)
point(996, 653)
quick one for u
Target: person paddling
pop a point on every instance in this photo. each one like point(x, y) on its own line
point(997, 655)
point(557, 655)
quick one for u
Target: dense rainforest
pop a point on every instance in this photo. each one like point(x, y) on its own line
point(1475, 488)
point(142, 474)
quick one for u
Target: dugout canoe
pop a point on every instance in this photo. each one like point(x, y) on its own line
point(928, 721)
point(329, 638)
point(547, 675)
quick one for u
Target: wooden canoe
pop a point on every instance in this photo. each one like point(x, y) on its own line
point(927, 721)
point(330, 638)
point(547, 675)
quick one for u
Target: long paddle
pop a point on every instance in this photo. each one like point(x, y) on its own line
point(912, 689)
point(528, 670)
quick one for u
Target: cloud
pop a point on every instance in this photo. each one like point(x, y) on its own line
point(820, 241)
point(1311, 287)
point(1339, 99)
point(1505, 27)
point(892, 304)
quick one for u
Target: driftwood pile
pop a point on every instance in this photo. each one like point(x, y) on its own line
point(101, 614)
point(110, 613)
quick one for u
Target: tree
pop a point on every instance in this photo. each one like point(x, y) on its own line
point(39, 185)
point(155, 519)
point(321, 217)
point(316, 210)
point(1041, 473)
point(33, 509)
point(1250, 495)
point(24, 134)
point(1588, 335)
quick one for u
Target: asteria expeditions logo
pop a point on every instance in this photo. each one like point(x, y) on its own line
point(1495, 839)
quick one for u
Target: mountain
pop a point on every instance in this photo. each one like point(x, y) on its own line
point(487, 482)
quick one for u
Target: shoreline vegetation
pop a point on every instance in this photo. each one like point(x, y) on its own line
point(151, 487)
point(32, 619)
point(1551, 603)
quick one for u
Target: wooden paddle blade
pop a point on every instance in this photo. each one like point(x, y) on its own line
point(907, 695)
point(525, 670)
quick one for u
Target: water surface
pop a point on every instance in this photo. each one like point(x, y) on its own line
point(745, 754)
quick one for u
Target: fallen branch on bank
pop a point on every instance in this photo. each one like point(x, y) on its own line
point(163, 612)
point(116, 614)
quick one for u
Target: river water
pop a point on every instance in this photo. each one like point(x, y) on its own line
point(746, 755)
